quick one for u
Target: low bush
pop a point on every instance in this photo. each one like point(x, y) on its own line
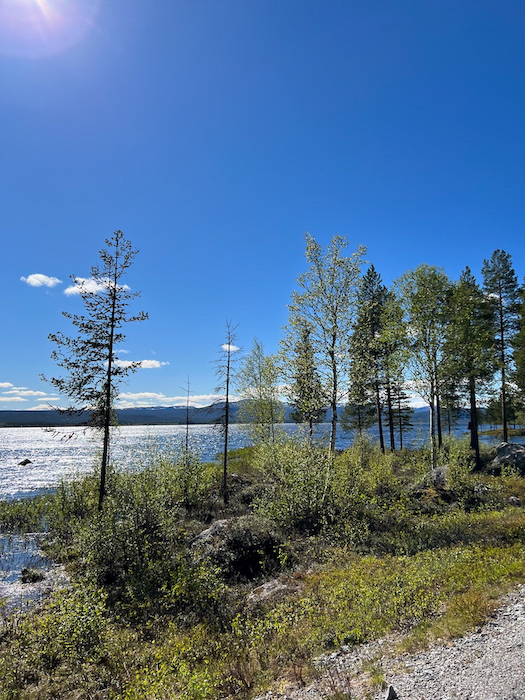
point(25, 514)
point(301, 491)
point(30, 575)
point(159, 613)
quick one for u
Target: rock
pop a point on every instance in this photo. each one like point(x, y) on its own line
point(268, 590)
point(514, 501)
point(215, 530)
point(438, 477)
point(24, 463)
point(275, 588)
point(509, 454)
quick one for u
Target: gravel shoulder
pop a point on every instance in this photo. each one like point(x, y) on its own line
point(488, 664)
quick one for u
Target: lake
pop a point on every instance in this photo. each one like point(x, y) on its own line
point(58, 455)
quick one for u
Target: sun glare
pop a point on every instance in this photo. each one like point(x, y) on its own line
point(35, 28)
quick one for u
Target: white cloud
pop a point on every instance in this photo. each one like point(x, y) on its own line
point(149, 398)
point(152, 364)
point(5, 385)
point(39, 280)
point(11, 399)
point(88, 284)
point(22, 391)
point(121, 351)
point(231, 348)
point(143, 364)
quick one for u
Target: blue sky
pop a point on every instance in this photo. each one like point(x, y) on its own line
point(215, 132)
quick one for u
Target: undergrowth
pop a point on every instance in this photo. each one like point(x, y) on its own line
point(363, 544)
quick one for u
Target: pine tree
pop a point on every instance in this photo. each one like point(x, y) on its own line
point(469, 346)
point(501, 287)
point(518, 346)
point(93, 372)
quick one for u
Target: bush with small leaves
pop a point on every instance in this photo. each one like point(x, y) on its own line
point(73, 626)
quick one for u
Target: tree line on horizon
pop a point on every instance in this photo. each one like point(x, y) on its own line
point(349, 339)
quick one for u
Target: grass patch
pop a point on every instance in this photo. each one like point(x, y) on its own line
point(160, 611)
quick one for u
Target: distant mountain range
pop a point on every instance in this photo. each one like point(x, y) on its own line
point(155, 415)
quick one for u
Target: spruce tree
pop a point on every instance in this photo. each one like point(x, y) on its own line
point(359, 414)
point(393, 346)
point(93, 371)
point(303, 385)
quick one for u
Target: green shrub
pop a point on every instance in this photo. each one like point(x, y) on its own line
point(302, 482)
point(72, 626)
point(25, 514)
point(29, 575)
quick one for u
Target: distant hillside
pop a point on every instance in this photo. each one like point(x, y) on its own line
point(157, 415)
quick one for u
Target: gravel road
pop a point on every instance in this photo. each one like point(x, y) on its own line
point(488, 664)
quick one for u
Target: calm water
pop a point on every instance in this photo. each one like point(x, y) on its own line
point(55, 456)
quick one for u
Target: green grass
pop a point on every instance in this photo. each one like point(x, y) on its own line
point(152, 617)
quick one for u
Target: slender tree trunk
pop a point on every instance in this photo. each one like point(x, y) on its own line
point(474, 438)
point(107, 397)
point(503, 397)
point(272, 428)
point(378, 412)
point(226, 426)
point(390, 413)
point(432, 424)
point(438, 410)
point(187, 415)
point(333, 402)
point(400, 416)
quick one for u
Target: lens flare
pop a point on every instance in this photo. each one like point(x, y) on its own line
point(35, 28)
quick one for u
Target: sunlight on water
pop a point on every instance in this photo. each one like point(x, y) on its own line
point(57, 456)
